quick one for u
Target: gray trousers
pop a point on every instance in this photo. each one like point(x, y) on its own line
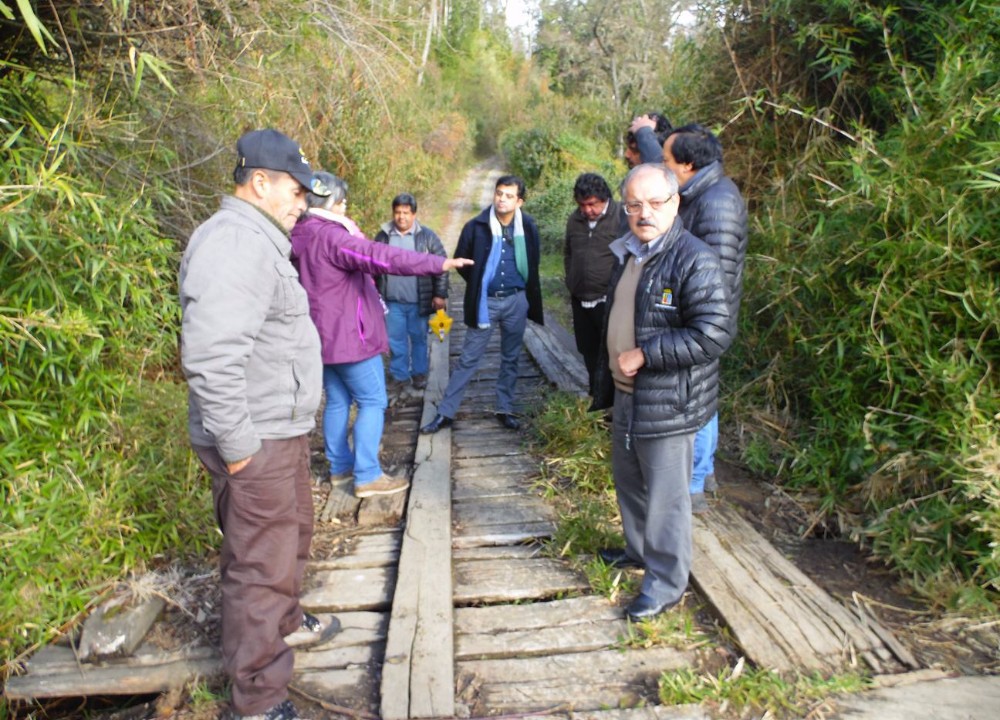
point(511, 315)
point(265, 513)
point(651, 483)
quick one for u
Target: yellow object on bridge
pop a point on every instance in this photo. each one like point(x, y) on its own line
point(440, 323)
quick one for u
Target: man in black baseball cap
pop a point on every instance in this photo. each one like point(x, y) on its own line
point(251, 355)
point(272, 150)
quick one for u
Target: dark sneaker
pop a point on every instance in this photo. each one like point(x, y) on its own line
point(419, 382)
point(313, 631)
point(282, 711)
point(384, 485)
point(699, 505)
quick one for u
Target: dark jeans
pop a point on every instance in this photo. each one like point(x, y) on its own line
point(265, 513)
point(588, 324)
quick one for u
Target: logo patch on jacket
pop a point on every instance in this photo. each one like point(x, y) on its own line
point(666, 300)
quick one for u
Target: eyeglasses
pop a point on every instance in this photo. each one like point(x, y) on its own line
point(634, 208)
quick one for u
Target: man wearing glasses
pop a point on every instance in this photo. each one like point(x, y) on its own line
point(666, 326)
point(502, 289)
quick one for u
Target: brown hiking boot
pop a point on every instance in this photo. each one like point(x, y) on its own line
point(383, 485)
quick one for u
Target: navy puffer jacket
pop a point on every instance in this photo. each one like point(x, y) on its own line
point(713, 210)
point(683, 327)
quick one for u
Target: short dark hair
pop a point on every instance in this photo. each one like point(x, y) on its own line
point(695, 144)
point(591, 185)
point(511, 180)
point(242, 175)
point(662, 130)
point(405, 199)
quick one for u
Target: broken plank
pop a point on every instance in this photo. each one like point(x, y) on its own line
point(508, 580)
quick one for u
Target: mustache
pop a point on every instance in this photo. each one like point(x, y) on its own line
point(646, 223)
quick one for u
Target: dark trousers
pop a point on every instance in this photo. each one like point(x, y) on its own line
point(588, 324)
point(265, 513)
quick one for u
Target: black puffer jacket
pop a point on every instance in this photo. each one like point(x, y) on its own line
point(429, 287)
point(682, 326)
point(713, 210)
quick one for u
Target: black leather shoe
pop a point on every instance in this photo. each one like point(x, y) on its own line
point(439, 421)
point(616, 557)
point(509, 421)
point(645, 608)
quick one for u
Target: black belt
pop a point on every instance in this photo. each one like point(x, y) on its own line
point(505, 293)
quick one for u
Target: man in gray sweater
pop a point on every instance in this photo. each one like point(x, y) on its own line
point(251, 356)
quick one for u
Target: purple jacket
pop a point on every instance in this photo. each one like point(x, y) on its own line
point(337, 270)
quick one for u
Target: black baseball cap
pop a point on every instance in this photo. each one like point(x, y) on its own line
point(272, 150)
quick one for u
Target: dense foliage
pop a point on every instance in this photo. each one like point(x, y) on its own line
point(117, 123)
point(863, 133)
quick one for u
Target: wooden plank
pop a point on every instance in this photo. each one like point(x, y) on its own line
point(575, 625)
point(489, 486)
point(647, 712)
point(353, 687)
point(567, 372)
point(511, 534)
point(370, 653)
point(370, 550)
point(353, 589)
point(116, 630)
point(495, 552)
point(507, 580)
point(119, 678)
point(575, 681)
point(418, 673)
point(518, 461)
point(359, 630)
point(501, 511)
point(780, 617)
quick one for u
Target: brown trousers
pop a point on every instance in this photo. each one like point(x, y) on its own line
point(265, 513)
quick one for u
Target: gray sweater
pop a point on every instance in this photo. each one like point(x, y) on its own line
point(249, 350)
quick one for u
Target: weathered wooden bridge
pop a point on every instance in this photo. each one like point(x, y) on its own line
point(452, 607)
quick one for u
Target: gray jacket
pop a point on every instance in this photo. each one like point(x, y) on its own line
point(249, 350)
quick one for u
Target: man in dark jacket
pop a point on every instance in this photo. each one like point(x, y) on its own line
point(410, 299)
point(712, 210)
point(666, 327)
point(502, 289)
point(587, 261)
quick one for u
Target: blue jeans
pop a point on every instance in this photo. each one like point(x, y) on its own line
point(362, 383)
point(511, 315)
point(706, 441)
point(407, 340)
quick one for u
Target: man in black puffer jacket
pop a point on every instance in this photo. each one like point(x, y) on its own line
point(712, 210)
point(666, 326)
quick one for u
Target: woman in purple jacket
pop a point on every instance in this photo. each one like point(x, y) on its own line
point(336, 267)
